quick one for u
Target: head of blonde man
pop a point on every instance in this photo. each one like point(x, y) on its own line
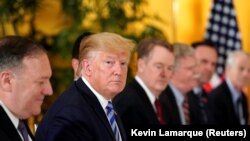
point(104, 59)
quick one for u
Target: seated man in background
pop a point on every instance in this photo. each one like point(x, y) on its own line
point(138, 104)
point(175, 97)
point(227, 103)
point(206, 58)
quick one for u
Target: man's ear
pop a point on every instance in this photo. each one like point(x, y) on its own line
point(6, 80)
point(75, 64)
point(86, 66)
point(141, 65)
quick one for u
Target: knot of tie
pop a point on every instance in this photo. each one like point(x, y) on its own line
point(22, 129)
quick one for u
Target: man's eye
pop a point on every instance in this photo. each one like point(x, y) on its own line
point(124, 63)
point(159, 66)
point(40, 82)
point(170, 68)
point(109, 62)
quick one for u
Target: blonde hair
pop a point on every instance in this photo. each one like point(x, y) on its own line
point(104, 41)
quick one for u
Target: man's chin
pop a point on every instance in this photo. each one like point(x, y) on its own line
point(117, 90)
point(36, 111)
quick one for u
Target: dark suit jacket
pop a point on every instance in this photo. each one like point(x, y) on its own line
point(169, 102)
point(134, 107)
point(77, 115)
point(196, 115)
point(8, 131)
point(221, 108)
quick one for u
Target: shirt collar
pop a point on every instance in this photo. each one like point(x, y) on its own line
point(234, 92)
point(178, 95)
point(146, 89)
point(197, 90)
point(101, 99)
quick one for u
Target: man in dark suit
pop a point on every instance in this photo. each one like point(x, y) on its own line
point(138, 104)
point(24, 82)
point(206, 57)
point(175, 98)
point(227, 103)
point(84, 111)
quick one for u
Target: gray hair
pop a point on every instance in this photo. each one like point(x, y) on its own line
point(182, 50)
point(13, 49)
point(230, 62)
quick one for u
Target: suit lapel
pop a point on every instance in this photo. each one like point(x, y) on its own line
point(7, 126)
point(120, 126)
point(170, 101)
point(95, 104)
point(146, 102)
point(245, 107)
point(229, 102)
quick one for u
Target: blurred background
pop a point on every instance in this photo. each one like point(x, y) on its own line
point(56, 24)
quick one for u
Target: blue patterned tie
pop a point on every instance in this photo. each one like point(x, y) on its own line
point(21, 127)
point(111, 118)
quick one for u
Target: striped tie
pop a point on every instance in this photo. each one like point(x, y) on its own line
point(112, 121)
point(185, 106)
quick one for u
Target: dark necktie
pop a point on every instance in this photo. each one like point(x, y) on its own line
point(112, 121)
point(203, 102)
point(239, 111)
point(22, 128)
point(159, 111)
point(185, 106)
